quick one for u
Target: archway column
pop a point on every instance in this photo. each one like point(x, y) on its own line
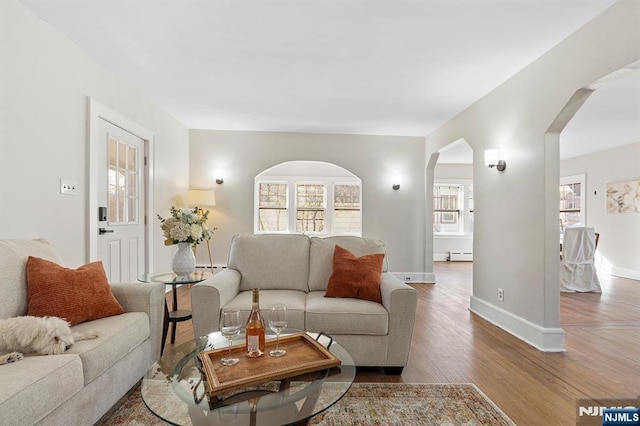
point(429, 181)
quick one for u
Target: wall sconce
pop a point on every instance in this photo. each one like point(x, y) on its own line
point(492, 159)
point(217, 175)
point(397, 181)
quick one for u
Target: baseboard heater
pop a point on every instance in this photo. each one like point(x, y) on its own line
point(216, 268)
point(459, 256)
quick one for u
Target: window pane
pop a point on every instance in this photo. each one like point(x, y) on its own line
point(310, 207)
point(272, 207)
point(310, 221)
point(346, 209)
point(446, 221)
point(298, 205)
point(346, 197)
point(347, 221)
point(447, 204)
point(273, 195)
point(569, 218)
point(570, 204)
point(310, 196)
point(272, 220)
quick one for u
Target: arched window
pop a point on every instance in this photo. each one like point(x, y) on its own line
point(308, 197)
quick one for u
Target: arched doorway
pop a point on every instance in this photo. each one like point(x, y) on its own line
point(598, 118)
point(449, 199)
point(453, 203)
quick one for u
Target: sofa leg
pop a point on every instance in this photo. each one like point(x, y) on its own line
point(393, 371)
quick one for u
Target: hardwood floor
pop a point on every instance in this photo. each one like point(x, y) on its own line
point(452, 345)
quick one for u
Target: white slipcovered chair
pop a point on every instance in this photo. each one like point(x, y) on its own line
point(577, 270)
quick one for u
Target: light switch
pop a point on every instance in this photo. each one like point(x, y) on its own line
point(68, 187)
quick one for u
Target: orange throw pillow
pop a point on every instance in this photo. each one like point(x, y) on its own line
point(77, 295)
point(357, 277)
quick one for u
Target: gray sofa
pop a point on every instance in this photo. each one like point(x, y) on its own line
point(295, 270)
point(78, 387)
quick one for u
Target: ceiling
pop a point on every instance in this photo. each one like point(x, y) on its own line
point(385, 67)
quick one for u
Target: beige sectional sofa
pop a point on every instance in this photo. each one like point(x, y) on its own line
point(295, 270)
point(79, 386)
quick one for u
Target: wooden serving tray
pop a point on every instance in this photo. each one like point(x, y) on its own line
point(304, 355)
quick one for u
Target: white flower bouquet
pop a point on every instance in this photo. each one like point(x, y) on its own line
point(185, 226)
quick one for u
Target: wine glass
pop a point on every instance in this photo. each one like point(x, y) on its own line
point(229, 327)
point(277, 323)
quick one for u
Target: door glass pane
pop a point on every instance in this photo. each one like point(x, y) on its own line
point(132, 187)
point(132, 163)
point(113, 212)
point(132, 210)
point(120, 209)
point(112, 173)
point(113, 151)
point(122, 155)
point(123, 177)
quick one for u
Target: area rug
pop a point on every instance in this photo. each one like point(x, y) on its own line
point(367, 404)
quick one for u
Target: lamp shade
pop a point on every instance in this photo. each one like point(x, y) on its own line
point(200, 197)
point(491, 157)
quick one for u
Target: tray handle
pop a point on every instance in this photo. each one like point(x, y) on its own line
point(322, 333)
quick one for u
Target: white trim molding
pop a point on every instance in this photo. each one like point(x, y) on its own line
point(541, 338)
point(624, 273)
point(97, 111)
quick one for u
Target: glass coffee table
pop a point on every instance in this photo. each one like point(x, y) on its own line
point(174, 389)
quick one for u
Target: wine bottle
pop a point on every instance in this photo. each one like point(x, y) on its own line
point(255, 329)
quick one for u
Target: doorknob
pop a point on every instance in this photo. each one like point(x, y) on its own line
point(103, 231)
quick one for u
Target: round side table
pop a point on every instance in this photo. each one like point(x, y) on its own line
point(175, 315)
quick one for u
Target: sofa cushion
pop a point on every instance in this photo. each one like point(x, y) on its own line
point(118, 335)
point(271, 262)
point(13, 264)
point(357, 277)
point(321, 256)
point(77, 295)
point(295, 301)
point(345, 316)
point(36, 386)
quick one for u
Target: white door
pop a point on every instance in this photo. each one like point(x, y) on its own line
point(121, 203)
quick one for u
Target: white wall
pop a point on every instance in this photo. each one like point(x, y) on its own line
point(619, 244)
point(516, 211)
point(43, 128)
point(396, 217)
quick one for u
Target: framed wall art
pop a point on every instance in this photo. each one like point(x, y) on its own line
point(623, 197)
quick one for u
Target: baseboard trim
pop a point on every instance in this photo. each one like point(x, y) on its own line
point(541, 338)
point(415, 277)
point(625, 273)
